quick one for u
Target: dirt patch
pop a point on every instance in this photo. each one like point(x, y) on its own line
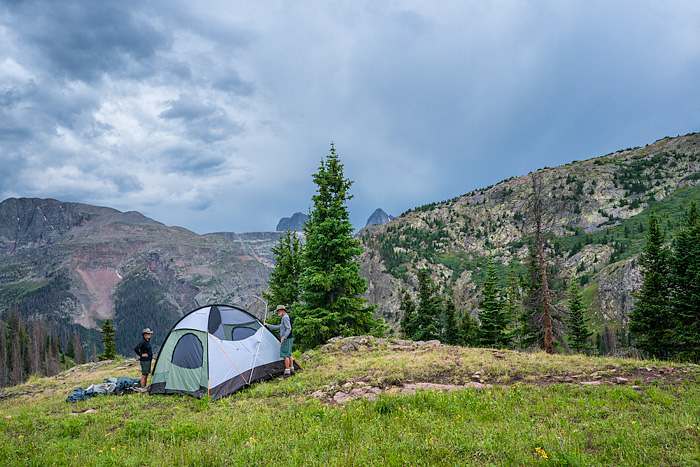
point(99, 283)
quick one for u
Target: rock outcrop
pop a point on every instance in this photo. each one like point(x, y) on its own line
point(294, 223)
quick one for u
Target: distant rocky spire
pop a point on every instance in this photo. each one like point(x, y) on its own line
point(379, 217)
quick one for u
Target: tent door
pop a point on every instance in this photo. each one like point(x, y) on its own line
point(188, 369)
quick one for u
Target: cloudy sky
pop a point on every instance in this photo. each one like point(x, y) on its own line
point(213, 115)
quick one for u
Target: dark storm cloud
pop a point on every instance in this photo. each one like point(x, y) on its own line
point(198, 103)
point(191, 161)
point(233, 83)
point(85, 40)
point(206, 122)
point(125, 183)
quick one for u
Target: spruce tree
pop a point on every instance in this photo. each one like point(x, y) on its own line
point(78, 348)
point(18, 349)
point(685, 289)
point(284, 288)
point(510, 306)
point(493, 325)
point(468, 331)
point(407, 327)
point(331, 302)
point(527, 332)
point(70, 349)
point(429, 310)
point(650, 319)
point(450, 327)
point(578, 329)
point(4, 363)
point(108, 340)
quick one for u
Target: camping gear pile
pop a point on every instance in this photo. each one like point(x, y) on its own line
point(215, 351)
point(110, 386)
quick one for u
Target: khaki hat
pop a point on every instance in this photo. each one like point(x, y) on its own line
point(146, 331)
point(280, 307)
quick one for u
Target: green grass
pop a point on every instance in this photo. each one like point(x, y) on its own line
point(279, 423)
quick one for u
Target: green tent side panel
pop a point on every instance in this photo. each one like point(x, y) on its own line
point(182, 362)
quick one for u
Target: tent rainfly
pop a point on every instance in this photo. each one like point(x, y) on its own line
point(216, 350)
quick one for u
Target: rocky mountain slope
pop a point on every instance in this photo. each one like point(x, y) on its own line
point(122, 266)
point(598, 209)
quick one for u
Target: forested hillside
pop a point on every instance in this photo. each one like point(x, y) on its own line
point(597, 212)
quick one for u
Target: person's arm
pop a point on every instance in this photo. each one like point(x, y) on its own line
point(285, 328)
point(137, 349)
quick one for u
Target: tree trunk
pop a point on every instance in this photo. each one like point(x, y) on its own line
point(546, 305)
point(537, 209)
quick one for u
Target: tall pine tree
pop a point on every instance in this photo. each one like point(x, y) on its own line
point(468, 331)
point(108, 340)
point(4, 362)
point(492, 332)
point(450, 327)
point(284, 288)
point(685, 288)
point(429, 311)
point(331, 301)
point(510, 305)
point(407, 327)
point(650, 319)
point(578, 329)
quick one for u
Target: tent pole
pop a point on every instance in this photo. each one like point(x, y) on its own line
point(257, 349)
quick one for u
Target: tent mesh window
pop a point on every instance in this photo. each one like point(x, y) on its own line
point(238, 334)
point(188, 352)
point(230, 324)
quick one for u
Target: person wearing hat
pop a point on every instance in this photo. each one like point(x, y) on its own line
point(145, 353)
point(286, 338)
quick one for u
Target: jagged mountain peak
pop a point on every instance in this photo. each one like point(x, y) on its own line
point(379, 217)
point(295, 223)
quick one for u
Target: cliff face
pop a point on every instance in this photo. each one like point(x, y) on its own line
point(598, 210)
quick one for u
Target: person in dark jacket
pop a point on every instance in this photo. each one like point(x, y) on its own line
point(286, 339)
point(145, 353)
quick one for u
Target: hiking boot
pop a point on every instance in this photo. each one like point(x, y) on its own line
point(287, 373)
point(292, 371)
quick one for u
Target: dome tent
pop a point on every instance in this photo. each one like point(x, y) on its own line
point(216, 350)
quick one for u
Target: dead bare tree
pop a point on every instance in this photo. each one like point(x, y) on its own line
point(544, 313)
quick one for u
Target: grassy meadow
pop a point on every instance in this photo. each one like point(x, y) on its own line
point(532, 410)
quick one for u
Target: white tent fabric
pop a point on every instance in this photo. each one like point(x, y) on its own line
point(216, 350)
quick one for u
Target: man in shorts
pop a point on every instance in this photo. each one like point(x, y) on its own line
point(286, 339)
point(145, 353)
